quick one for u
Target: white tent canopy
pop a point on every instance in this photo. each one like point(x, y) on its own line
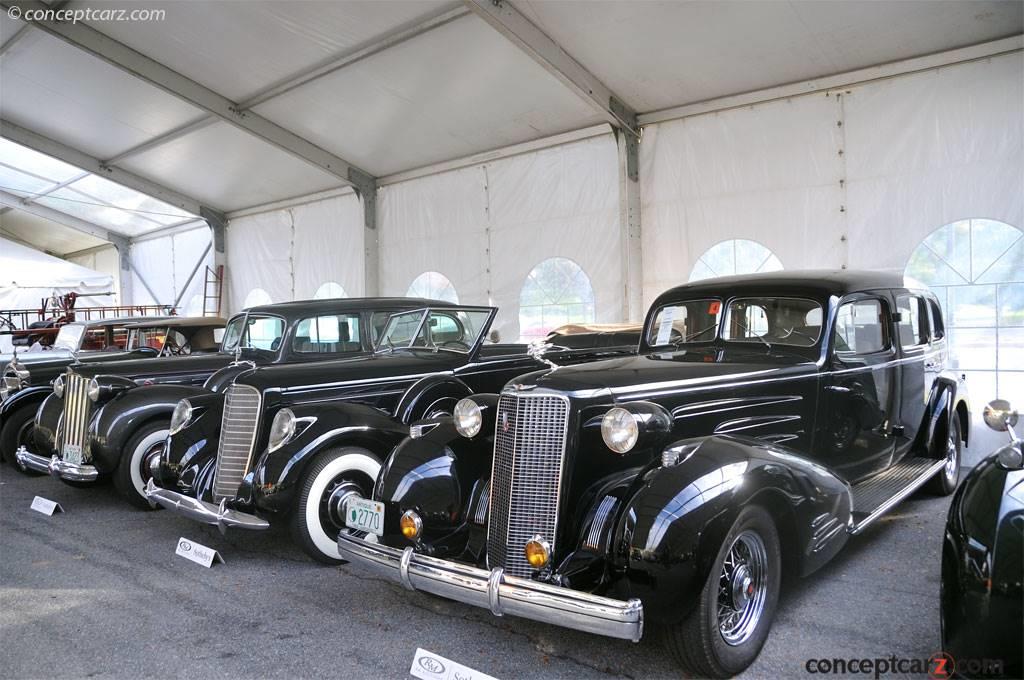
point(28, 275)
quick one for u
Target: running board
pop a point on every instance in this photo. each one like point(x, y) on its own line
point(876, 496)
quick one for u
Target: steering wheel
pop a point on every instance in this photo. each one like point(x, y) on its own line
point(457, 343)
point(173, 349)
point(791, 331)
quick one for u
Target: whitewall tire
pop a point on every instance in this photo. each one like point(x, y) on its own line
point(133, 471)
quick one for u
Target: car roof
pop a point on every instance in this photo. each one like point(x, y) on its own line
point(817, 282)
point(181, 322)
point(303, 307)
point(117, 321)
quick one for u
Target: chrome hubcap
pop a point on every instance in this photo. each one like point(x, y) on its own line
point(334, 501)
point(743, 588)
point(150, 459)
point(951, 457)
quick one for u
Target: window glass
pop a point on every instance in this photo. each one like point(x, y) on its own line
point(556, 292)
point(457, 330)
point(433, 286)
point(777, 321)
point(736, 256)
point(936, 328)
point(860, 327)
point(975, 267)
point(152, 338)
point(911, 326)
point(682, 322)
point(328, 334)
point(259, 332)
point(69, 336)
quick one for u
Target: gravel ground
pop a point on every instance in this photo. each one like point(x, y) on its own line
point(99, 592)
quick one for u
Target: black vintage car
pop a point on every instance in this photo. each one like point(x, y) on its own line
point(292, 443)
point(982, 594)
point(27, 378)
point(114, 419)
point(766, 419)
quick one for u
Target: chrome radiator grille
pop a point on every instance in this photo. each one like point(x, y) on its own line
point(74, 425)
point(526, 477)
point(237, 437)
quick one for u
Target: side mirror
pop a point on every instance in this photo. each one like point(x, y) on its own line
point(999, 415)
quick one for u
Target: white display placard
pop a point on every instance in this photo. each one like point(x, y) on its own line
point(197, 553)
point(429, 666)
point(665, 325)
point(45, 506)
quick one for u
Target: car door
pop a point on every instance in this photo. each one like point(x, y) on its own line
point(911, 323)
point(861, 389)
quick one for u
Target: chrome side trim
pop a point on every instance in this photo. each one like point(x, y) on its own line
point(500, 593)
point(56, 467)
point(200, 511)
point(903, 493)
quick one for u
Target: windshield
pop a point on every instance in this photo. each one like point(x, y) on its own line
point(69, 336)
point(679, 323)
point(253, 331)
point(776, 321)
point(456, 330)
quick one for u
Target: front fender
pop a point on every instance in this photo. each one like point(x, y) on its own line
point(27, 395)
point(48, 416)
point(187, 460)
point(430, 393)
point(948, 396)
point(276, 474)
point(670, 530)
point(116, 421)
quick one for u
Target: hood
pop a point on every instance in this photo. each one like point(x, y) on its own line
point(670, 370)
point(155, 368)
point(400, 364)
point(27, 357)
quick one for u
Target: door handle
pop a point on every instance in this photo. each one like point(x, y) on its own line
point(837, 388)
point(929, 365)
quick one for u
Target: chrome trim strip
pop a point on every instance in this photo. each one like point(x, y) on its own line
point(403, 567)
point(493, 589)
point(56, 467)
point(903, 493)
point(201, 511)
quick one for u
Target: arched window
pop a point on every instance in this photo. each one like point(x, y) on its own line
point(555, 293)
point(256, 296)
point(738, 256)
point(329, 291)
point(976, 268)
point(433, 285)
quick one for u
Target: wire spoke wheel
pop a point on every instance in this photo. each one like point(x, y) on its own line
point(743, 588)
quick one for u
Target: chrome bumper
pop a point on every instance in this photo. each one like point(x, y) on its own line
point(497, 592)
point(57, 467)
point(201, 511)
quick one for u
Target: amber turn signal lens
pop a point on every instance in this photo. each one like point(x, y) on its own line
point(538, 552)
point(411, 525)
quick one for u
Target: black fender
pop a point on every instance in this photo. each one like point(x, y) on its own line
point(47, 417)
point(276, 474)
point(669, 531)
point(117, 421)
point(428, 394)
point(29, 395)
point(191, 452)
point(948, 398)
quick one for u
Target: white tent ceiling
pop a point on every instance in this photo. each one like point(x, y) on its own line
point(392, 86)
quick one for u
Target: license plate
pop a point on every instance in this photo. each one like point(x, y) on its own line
point(365, 515)
point(72, 454)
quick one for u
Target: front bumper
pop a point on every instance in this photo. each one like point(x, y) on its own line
point(57, 467)
point(497, 592)
point(201, 511)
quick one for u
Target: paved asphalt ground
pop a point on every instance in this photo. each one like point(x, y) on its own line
point(99, 592)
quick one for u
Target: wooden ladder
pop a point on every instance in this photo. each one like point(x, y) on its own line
point(213, 287)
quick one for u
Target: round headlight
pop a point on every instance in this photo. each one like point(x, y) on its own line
point(58, 386)
point(411, 525)
point(93, 391)
point(181, 416)
point(619, 430)
point(282, 429)
point(538, 552)
point(469, 418)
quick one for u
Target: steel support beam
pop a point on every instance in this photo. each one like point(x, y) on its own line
point(80, 159)
point(629, 225)
point(135, 63)
point(503, 16)
point(18, 203)
point(195, 270)
point(371, 246)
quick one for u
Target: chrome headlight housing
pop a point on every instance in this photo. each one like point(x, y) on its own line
point(282, 429)
point(644, 422)
point(619, 430)
point(93, 390)
point(58, 386)
point(468, 417)
point(181, 417)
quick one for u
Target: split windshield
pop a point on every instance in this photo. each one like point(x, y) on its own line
point(794, 322)
point(455, 330)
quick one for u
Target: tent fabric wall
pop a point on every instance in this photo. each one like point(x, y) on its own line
point(856, 180)
point(28, 275)
point(166, 263)
point(291, 252)
point(485, 227)
point(105, 261)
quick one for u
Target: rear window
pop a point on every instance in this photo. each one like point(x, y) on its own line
point(777, 321)
point(331, 334)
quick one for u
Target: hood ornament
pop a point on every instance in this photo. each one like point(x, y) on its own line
point(537, 351)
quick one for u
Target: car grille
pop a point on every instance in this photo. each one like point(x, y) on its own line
point(526, 476)
point(237, 436)
point(74, 424)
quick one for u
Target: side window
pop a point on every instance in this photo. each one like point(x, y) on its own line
point(378, 322)
point(327, 335)
point(937, 329)
point(912, 315)
point(265, 333)
point(860, 327)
